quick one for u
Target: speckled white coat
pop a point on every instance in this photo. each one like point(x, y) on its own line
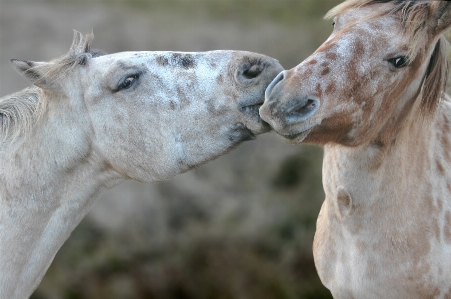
point(134, 115)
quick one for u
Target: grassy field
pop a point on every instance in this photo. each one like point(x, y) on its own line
point(238, 227)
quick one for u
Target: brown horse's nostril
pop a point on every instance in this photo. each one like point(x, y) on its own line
point(274, 82)
point(305, 107)
point(302, 109)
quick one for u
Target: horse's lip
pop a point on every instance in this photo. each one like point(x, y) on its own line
point(255, 106)
point(252, 110)
point(294, 136)
point(251, 113)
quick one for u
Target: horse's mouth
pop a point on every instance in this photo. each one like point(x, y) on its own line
point(251, 110)
point(298, 137)
point(252, 118)
point(293, 136)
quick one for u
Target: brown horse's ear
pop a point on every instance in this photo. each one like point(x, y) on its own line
point(441, 14)
point(32, 71)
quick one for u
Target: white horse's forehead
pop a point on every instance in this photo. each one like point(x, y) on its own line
point(169, 77)
point(198, 61)
point(192, 72)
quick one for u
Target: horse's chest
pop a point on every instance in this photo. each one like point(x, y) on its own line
point(341, 260)
point(372, 261)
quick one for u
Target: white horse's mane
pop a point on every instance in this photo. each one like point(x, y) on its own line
point(18, 113)
point(21, 110)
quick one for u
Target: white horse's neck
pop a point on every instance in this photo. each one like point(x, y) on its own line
point(42, 199)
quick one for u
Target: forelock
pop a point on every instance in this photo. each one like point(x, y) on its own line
point(414, 18)
point(79, 54)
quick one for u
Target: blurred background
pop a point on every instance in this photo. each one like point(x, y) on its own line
point(241, 226)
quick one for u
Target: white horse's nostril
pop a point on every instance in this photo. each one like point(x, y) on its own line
point(253, 72)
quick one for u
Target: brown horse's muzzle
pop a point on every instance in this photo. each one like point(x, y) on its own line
point(286, 106)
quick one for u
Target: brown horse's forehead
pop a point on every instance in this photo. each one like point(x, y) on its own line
point(377, 19)
point(356, 51)
point(365, 25)
point(374, 39)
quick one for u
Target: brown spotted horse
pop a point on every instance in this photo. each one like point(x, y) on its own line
point(373, 96)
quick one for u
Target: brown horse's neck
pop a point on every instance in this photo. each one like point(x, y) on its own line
point(407, 118)
point(398, 157)
point(388, 206)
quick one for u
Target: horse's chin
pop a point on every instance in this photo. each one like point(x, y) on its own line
point(259, 127)
point(240, 133)
point(296, 138)
point(253, 121)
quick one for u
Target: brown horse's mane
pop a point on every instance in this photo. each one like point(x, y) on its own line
point(414, 17)
point(19, 111)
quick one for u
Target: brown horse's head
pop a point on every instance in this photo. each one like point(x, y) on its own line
point(384, 61)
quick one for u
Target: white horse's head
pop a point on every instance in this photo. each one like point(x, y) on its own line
point(151, 115)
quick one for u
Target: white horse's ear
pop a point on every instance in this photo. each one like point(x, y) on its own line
point(32, 71)
point(441, 14)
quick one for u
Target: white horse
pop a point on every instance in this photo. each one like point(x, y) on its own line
point(373, 95)
point(93, 120)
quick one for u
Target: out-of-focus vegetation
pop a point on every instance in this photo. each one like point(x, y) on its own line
point(200, 257)
point(289, 12)
point(241, 226)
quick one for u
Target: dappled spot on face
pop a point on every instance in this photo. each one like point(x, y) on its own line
point(325, 71)
point(181, 60)
point(331, 56)
point(163, 61)
point(220, 79)
point(185, 61)
point(331, 88)
point(319, 90)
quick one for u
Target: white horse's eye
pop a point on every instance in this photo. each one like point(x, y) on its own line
point(398, 62)
point(128, 82)
point(333, 23)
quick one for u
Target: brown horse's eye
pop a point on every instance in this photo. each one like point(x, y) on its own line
point(398, 62)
